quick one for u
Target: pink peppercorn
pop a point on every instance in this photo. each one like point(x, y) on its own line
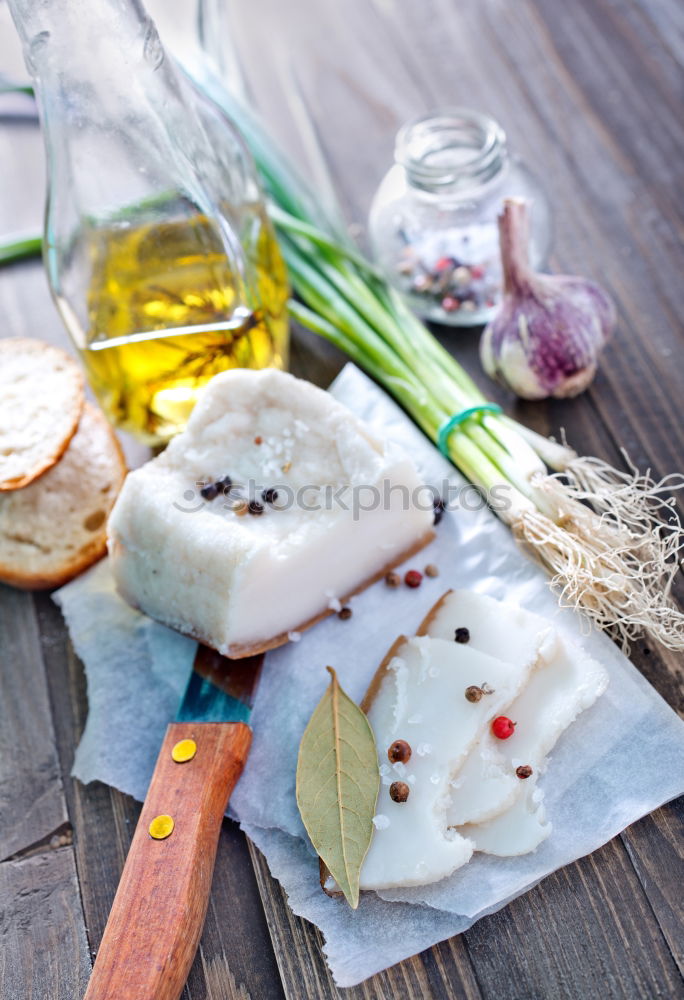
point(413, 578)
point(502, 727)
point(450, 304)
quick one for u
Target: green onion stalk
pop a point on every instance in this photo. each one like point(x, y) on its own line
point(611, 540)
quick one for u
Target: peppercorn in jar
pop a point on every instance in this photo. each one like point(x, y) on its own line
point(433, 222)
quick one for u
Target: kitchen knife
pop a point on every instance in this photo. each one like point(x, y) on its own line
point(158, 913)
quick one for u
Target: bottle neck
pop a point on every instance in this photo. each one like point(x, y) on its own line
point(451, 152)
point(60, 38)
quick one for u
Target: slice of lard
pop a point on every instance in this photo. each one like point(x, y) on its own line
point(500, 812)
point(518, 830)
point(487, 783)
point(552, 700)
point(418, 695)
point(334, 510)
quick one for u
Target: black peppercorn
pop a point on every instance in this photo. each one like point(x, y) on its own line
point(438, 506)
point(269, 495)
point(254, 507)
point(462, 635)
point(399, 791)
point(209, 492)
point(344, 613)
point(524, 771)
point(224, 484)
point(473, 693)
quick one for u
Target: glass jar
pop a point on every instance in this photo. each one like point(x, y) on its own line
point(433, 222)
point(158, 248)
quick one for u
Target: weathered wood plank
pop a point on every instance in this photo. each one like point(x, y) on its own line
point(585, 931)
point(32, 805)
point(435, 975)
point(656, 847)
point(43, 947)
point(235, 959)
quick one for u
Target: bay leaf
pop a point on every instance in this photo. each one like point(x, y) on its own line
point(337, 786)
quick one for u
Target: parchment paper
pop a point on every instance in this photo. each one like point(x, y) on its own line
point(620, 760)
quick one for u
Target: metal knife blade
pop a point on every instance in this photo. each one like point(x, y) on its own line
point(220, 689)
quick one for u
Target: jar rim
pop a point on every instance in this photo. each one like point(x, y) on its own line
point(426, 148)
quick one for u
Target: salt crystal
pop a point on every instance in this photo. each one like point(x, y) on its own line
point(411, 779)
point(433, 671)
point(384, 769)
point(400, 768)
point(381, 822)
point(421, 868)
point(415, 720)
point(294, 636)
point(435, 779)
point(423, 749)
point(334, 604)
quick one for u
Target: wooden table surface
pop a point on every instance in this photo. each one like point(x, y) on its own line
point(590, 94)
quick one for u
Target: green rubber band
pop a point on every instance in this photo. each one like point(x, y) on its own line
point(458, 418)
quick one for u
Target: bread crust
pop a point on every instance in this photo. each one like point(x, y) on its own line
point(14, 345)
point(88, 554)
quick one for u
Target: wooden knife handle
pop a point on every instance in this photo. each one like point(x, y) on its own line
point(156, 921)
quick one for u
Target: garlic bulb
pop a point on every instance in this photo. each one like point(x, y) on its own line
point(550, 328)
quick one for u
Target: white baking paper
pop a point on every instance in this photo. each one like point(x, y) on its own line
point(620, 760)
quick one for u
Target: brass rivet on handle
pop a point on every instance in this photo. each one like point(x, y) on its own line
point(161, 827)
point(183, 751)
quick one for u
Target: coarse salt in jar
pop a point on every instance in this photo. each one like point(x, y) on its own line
point(433, 221)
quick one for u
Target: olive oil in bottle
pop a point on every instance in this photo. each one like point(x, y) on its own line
point(165, 316)
point(158, 250)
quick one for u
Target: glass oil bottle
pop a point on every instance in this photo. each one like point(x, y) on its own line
point(158, 249)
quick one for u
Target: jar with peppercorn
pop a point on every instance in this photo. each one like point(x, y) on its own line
point(433, 221)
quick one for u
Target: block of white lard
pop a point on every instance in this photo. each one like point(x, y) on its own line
point(418, 696)
point(318, 508)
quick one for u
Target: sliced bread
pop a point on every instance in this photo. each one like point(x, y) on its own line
point(56, 527)
point(41, 401)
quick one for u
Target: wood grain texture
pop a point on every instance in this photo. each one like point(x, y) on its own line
point(589, 93)
point(43, 947)
point(656, 845)
point(32, 804)
point(620, 942)
point(158, 912)
point(435, 975)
